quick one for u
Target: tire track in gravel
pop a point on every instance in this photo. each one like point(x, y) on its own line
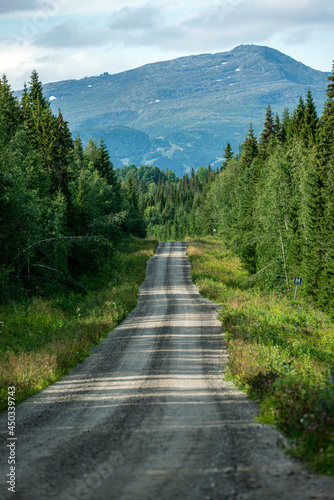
point(149, 415)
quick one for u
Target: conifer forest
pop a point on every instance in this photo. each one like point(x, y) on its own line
point(64, 209)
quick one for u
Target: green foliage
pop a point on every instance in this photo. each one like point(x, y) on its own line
point(304, 412)
point(280, 352)
point(273, 202)
point(42, 339)
point(171, 207)
point(9, 111)
point(268, 132)
point(228, 155)
point(65, 211)
point(62, 209)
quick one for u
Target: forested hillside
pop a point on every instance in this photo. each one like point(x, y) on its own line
point(64, 208)
point(272, 201)
point(178, 114)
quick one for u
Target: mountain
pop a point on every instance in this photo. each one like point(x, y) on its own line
point(179, 114)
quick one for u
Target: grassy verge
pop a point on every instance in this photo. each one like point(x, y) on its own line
point(280, 352)
point(41, 340)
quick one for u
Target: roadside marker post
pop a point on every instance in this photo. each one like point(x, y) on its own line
point(297, 282)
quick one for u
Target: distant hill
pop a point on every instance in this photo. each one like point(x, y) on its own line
point(179, 114)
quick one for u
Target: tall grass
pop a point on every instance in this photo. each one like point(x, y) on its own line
point(41, 340)
point(280, 352)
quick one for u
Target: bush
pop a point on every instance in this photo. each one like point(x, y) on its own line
point(279, 352)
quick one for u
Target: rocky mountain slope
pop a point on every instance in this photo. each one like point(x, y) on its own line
point(179, 114)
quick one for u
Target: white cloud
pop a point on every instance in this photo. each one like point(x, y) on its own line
point(72, 34)
point(232, 22)
point(135, 18)
point(227, 23)
point(74, 38)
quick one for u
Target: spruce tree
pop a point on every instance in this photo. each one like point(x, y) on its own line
point(36, 95)
point(244, 200)
point(25, 104)
point(285, 124)
point(319, 221)
point(9, 110)
point(63, 149)
point(228, 155)
point(309, 129)
point(326, 182)
point(249, 148)
point(326, 136)
point(268, 133)
point(132, 193)
point(277, 128)
point(298, 119)
point(78, 158)
point(104, 165)
point(42, 127)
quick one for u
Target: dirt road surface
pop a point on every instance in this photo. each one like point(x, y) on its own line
point(149, 416)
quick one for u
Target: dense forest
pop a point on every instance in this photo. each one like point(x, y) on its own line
point(272, 201)
point(64, 208)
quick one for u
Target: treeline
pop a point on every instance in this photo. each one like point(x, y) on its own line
point(172, 207)
point(272, 201)
point(62, 208)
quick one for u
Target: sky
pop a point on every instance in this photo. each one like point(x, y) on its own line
point(65, 39)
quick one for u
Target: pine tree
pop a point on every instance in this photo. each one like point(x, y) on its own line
point(42, 126)
point(326, 136)
point(309, 129)
point(104, 165)
point(63, 149)
point(325, 224)
point(78, 158)
point(277, 128)
point(132, 193)
point(245, 198)
point(268, 133)
point(298, 118)
point(25, 104)
point(9, 110)
point(228, 155)
point(319, 270)
point(36, 95)
point(249, 148)
point(285, 124)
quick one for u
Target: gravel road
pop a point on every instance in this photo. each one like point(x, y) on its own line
point(149, 416)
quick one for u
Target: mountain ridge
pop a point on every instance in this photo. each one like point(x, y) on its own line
point(180, 113)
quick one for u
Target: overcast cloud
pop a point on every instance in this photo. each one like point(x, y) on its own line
point(8, 6)
point(136, 18)
point(116, 35)
point(226, 22)
point(72, 34)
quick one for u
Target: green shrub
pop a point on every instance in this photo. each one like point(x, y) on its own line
point(43, 339)
point(280, 352)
